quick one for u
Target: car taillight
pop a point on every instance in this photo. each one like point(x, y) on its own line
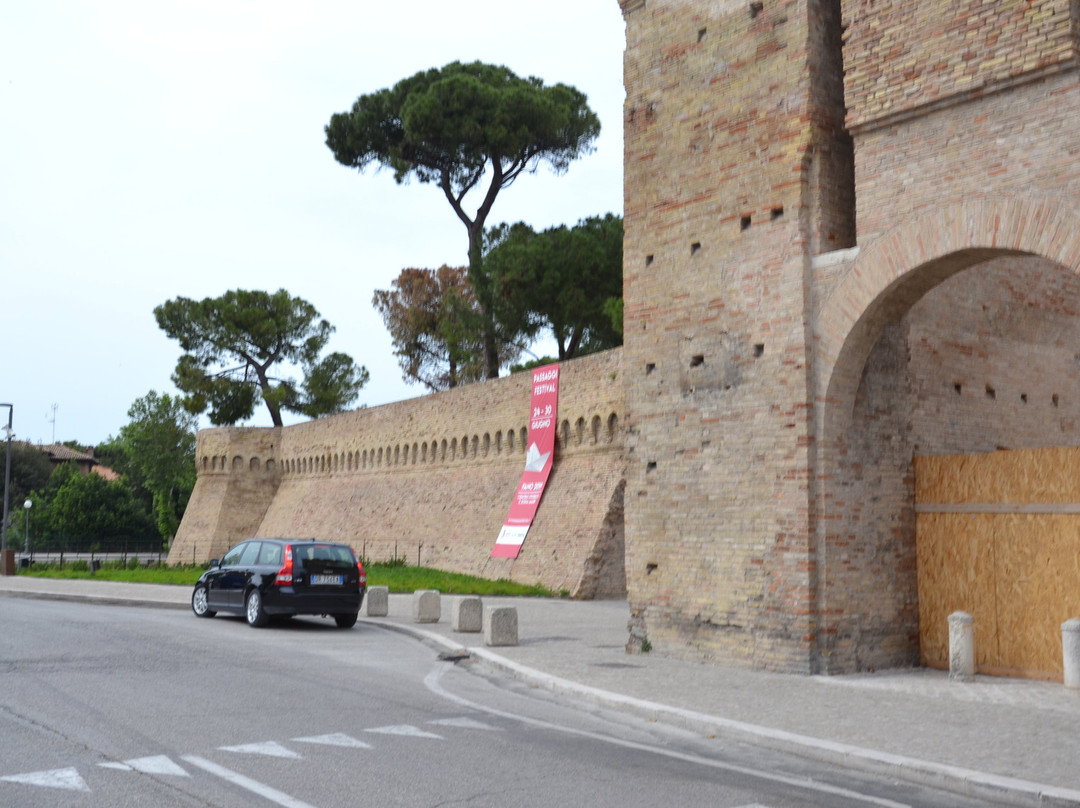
point(363, 575)
point(284, 575)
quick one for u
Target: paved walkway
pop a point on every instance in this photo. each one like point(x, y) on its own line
point(1013, 741)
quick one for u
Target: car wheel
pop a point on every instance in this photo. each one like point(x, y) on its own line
point(200, 603)
point(256, 614)
point(345, 620)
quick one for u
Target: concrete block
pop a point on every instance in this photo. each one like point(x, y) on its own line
point(500, 625)
point(378, 601)
point(467, 614)
point(961, 647)
point(1070, 646)
point(426, 606)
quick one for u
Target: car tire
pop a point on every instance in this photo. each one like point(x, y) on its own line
point(254, 611)
point(345, 620)
point(200, 603)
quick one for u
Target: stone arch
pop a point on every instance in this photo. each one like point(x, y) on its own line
point(883, 283)
point(612, 427)
point(253, 465)
point(238, 463)
point(596, 429)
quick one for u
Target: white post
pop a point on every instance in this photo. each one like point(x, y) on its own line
point(1070, 646)
point(961, 647)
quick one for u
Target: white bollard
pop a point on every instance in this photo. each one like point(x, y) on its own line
point(961, 647)
point(500, 626)
point(378, 601)
point(467, 614)
point(426, 606)
point(1070, 646)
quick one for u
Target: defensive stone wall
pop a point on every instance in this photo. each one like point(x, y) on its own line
point(431, 480)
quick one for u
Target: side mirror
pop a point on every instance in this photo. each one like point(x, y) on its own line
point(214, 562)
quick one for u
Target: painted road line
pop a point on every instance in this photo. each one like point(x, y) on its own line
point(336, 739)
point(406, 730)
point(254, 786)
point(269, 748)
point(67, 779)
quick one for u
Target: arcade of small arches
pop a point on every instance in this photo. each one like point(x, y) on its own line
point(596, 432)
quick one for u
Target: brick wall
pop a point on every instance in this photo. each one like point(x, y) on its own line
point(430, 479)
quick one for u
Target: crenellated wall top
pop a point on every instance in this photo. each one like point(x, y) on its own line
point(478, 423)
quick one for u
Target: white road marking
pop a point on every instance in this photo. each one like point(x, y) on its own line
point(157, 764)
point(269, 748)
point(336, 739)
point(405, 729)
point(68, 779)
point(432, 683)
point(254, 786)
point(464, 723)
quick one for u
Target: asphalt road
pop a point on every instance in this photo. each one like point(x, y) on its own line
point(117, 706)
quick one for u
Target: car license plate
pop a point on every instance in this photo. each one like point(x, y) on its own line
point(326, 580)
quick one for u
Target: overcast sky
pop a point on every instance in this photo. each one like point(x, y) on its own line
point(176, 147)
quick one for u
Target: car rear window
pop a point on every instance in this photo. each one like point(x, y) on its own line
point(324, 555)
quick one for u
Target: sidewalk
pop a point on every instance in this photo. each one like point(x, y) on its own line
point(1013, 741)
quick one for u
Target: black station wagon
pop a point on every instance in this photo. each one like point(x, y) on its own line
point(266, 578)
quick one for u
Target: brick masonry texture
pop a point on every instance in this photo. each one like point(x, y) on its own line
point(430, 479)
point(777, 392)
point(851, 237)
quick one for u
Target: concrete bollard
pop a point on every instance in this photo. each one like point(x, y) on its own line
point(961, 647)
point(1070, 646)
point(500, 625)
point(426, 606)
point(467, 615)
point(378, 601)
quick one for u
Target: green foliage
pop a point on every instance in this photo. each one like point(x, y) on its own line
point(158, 451)
point(232, 342)
point(450, 126)
point(30, 471)
point(435, 325)
point(88, 510)
point(565, 280)
point(395, 574)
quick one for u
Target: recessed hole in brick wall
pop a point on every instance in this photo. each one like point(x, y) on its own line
point(776, 213)
point(650, 467)
point(695, 248)
point(755, 9)
point(650, 568)
point(759, 349)
point(744, 223)
point(648, 260)
point(1054, 399)
point(701, 34)
point(697, 361)
point(1023, 397)
point(990, 392)
point(958, 388)
point(649, 368)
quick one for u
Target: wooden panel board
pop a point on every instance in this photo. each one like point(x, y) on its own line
point(1018, 574)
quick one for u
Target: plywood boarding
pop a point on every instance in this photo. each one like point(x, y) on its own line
point(1018, 574)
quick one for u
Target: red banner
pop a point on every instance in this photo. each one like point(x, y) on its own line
point(538, 460)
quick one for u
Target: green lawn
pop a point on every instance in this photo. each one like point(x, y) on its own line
point(398, 577)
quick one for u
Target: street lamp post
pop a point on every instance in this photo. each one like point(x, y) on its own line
point(27, 506)
point(8, 434)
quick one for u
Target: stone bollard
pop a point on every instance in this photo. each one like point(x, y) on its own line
point(500, 625)
point(426, 606)
point(467, 615)
point(961, 647)
point(1070, 646)
point(378, 601)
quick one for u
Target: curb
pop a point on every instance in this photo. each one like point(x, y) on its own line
point(954, 779)
point(103, 600)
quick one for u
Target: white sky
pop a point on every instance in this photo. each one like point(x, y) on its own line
point(155, 149)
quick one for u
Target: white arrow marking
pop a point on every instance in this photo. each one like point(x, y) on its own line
point(405, 729)
point(56, 778)
point(157, 764)
point(463, 723)
point(270, 748)
point(336, 739)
